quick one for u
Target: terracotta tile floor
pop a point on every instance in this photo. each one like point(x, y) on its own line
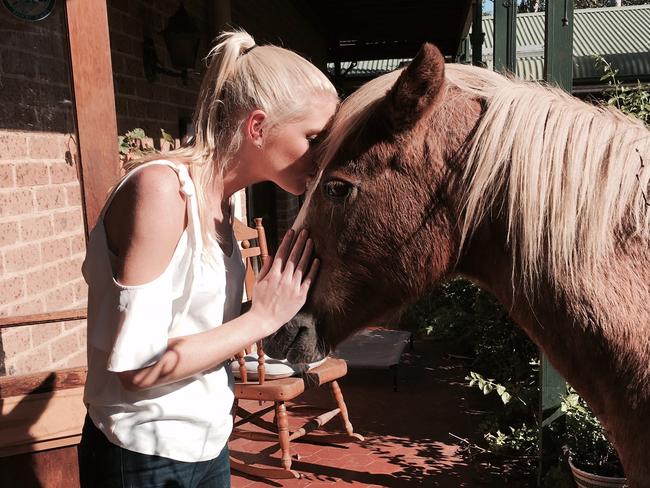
point(408, 441)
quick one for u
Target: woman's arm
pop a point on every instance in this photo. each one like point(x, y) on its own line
point(150, 209)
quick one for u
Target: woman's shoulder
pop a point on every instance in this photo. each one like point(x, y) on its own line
point(156, 181)
point(155, 190)
point(148, 214)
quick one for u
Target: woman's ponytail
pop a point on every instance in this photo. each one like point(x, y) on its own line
point(222, 63)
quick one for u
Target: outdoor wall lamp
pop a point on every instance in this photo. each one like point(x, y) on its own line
point(182, 41)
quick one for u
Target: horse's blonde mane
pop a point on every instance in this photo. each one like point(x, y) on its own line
point(570, 177)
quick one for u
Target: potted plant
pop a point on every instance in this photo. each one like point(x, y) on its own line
point(592, 458)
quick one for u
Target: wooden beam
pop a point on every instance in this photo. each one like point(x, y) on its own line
point(94, 96)
point(388, 50)
point(558, 68)
point(43, 318)
point(46, 382)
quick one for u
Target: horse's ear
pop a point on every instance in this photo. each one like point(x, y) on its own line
point(418, 89)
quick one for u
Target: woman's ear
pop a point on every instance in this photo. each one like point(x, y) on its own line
point(255, 127)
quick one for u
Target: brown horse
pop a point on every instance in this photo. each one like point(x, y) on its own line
point(540, 198)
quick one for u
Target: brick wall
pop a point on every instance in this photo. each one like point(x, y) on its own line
point(41, 222)
point(140, 103)
point(34, 74)
point(46, 347)
point(42, 245)
point(165, 101)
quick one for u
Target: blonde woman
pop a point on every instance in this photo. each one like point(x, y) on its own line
point(165, 274)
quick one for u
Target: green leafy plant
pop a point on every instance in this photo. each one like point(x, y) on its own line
point(135, 144)
point(634, 101)
point(521, 439)
point(502, 361)
point(487, 386)
point(586, 440)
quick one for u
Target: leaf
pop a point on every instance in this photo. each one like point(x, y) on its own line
point(167, 136)
point(136, 133)
point(505, 397)
point(573, 399)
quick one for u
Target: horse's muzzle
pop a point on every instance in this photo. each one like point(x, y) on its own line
point(297, 341)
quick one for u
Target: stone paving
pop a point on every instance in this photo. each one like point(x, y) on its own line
point(408, 441)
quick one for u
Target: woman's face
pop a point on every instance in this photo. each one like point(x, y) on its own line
point(288, 149)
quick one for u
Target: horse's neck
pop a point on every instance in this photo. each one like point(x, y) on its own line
point(595, 335)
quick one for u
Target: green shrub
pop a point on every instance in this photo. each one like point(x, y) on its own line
point(634, 101)
point(585, 437)
point(503, 361)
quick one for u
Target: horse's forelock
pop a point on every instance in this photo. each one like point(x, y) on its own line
point(349, 119)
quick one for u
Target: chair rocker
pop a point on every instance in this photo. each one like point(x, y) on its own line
point(256, 383)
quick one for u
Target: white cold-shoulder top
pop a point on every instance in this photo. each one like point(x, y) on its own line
point(129, 328)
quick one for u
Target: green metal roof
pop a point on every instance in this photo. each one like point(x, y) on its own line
point(620, 34)
point(370, 68)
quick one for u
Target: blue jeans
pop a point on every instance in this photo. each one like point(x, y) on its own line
point(102, 464)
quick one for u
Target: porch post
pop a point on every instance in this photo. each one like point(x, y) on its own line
point(558, 68)
point(505, 39)
point(558, 48)
point(94, 97)
point(476, 37)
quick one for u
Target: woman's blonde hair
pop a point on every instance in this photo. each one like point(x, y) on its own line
point(240, 78)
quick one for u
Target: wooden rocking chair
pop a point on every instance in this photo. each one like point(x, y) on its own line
point(279, 391)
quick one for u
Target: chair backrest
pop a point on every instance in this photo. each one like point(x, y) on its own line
point(254, 257)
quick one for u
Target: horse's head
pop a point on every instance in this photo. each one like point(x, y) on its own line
point(380, 215)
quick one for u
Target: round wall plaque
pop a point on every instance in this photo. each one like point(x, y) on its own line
point(30, 10)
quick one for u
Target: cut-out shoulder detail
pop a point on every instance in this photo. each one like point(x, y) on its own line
point(181, 245)
point(144, 224)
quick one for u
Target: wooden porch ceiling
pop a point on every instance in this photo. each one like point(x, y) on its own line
point(375, 29)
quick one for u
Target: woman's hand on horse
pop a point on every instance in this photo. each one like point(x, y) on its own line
point(284, 281)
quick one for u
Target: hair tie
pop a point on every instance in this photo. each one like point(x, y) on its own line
point(248, 49)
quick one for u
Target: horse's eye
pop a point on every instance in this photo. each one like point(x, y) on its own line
point(337, 190)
